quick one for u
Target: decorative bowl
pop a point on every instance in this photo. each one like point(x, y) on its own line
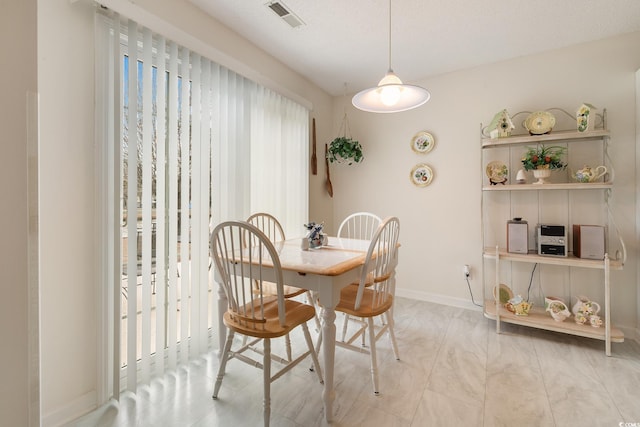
point(557, 309)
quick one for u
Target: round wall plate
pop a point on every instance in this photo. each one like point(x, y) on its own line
point(422, 142)
point(421, 175)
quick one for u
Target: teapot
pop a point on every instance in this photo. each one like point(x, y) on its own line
point(518, 306)
point(589, 174)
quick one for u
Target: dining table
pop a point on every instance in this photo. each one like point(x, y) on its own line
point(324, 271)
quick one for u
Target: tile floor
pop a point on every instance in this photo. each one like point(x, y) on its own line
point(454, 371)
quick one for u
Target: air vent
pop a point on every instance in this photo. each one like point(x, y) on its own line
point(283, 12)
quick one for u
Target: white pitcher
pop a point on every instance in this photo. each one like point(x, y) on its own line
point(585, 306)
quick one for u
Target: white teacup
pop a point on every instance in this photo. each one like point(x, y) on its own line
point(595, 321)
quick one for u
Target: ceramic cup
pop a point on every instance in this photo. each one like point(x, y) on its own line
point(580, 318)
point(595, 321)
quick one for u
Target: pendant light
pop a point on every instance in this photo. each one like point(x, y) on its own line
point(391, 95)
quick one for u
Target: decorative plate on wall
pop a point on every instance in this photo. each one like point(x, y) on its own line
point(422, 142)
point(421, 175)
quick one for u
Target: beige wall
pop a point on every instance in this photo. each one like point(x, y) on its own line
point(18, 76)
point(440, 223)
point(67, 232)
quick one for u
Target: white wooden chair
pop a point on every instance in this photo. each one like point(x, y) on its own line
point(251, 312)
point(359, 225)
point(373, 297)
point(272, 228)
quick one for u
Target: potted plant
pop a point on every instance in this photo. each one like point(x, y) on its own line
point(345, 150)
point(542, 160)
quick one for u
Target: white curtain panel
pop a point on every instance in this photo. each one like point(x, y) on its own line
point(280, 160)
point(186, 143)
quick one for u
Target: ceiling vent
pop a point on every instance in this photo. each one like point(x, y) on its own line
point(283, 12)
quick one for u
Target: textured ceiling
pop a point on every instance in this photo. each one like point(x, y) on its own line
point(347, 41)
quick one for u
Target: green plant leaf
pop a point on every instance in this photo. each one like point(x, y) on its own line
point(542, 157)
point(345, 150)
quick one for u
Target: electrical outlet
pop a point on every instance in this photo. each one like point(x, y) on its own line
point(467, 271)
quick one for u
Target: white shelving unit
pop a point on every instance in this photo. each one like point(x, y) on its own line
point(512, 197)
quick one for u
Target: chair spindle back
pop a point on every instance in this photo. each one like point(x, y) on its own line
point(243, 268)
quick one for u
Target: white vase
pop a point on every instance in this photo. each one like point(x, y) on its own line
point(586, 118)
point(541, 175)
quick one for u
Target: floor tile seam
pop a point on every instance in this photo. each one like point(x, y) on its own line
point(415, 410)
point(486, 367)
point(459, 402)
point(544, 385)
point(440, 344)
point(604, 386)
point(599, 382)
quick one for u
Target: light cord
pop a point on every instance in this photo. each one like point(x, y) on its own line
point(390, 35)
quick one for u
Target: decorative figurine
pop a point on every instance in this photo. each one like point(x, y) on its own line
point(501, 125)
point(586, 117)
point(316, 236)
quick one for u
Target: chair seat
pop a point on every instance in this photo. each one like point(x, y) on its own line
point(367, 308)
point(297, 313)
point(269, 288)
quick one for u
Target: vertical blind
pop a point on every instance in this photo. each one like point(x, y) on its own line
point(187, 144)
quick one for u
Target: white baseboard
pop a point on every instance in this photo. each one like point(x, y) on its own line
point(438, 299)
point(75, 409)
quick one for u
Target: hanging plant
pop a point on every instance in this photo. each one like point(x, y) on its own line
point(344, 149)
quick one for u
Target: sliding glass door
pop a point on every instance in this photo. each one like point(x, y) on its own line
point(186, 144)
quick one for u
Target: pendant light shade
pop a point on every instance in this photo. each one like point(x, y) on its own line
point(391, 95)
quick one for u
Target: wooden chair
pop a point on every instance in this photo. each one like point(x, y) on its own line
point(373, 297)
point(272, 228)
point(251, 312)
point(359, 225)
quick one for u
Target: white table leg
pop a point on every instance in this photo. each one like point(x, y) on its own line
point(328, 352)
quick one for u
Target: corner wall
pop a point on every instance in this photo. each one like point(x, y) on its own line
point(19, 404)
point(441, 223)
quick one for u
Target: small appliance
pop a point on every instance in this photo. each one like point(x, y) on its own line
point(551, 240)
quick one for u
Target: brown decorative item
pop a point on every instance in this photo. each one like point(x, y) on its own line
point(314, 159)
point(326, 162)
